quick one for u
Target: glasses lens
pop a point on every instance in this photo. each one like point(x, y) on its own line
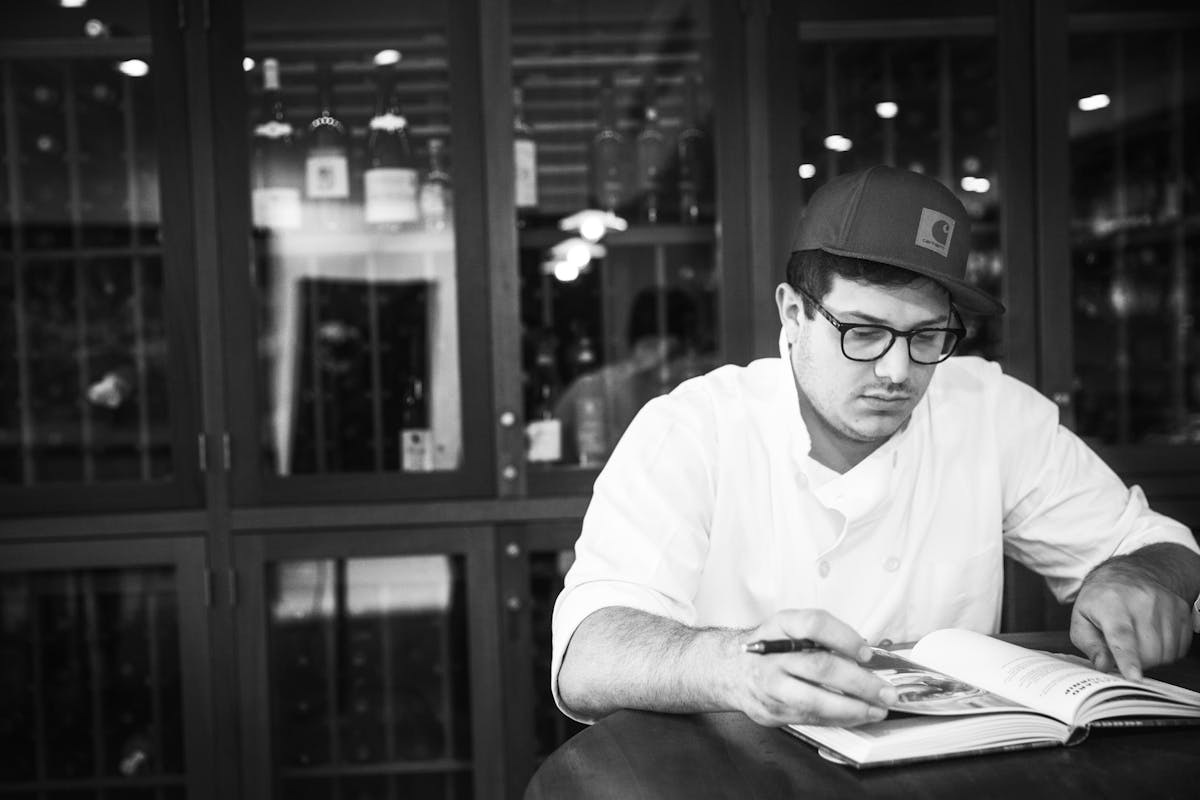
point(865, 342)
point(931, 347)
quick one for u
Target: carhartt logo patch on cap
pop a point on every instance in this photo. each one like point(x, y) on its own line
point(935, 231)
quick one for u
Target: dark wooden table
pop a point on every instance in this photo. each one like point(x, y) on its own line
point(637, 755)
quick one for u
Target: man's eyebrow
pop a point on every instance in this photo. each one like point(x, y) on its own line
point(936, 322)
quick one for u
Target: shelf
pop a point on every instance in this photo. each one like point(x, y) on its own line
point(308, 244)
point(636, 236)
point(1082, 234)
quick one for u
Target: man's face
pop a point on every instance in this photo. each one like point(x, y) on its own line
point(859, 404)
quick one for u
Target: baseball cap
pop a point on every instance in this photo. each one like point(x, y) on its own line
point(896, 217)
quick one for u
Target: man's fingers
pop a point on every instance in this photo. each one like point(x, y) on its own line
point(824, 629)
point(1122, 642)
point(791, 699)
point(835, 672)
point(1183, 633)
point(1090, 641)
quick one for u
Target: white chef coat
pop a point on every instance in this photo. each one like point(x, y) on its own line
point(710, 511)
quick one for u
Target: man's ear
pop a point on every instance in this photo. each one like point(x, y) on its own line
point(791, 309)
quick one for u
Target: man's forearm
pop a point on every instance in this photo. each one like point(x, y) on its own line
point(623, 658)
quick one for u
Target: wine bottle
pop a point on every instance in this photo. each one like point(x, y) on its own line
point(543, 429)
point(327, 165)
point(416, 439)
point(591, 432)
point(436, 195)
point(692, 156)
point(608, 152)
point(391, 182)
point(276, 186)
point(651, 148)
point(524, 156)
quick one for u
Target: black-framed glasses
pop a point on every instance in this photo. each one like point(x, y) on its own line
point(869, 342)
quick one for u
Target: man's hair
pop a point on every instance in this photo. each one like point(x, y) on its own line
point(812, 271)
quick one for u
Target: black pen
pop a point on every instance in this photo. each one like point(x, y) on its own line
point(765, 646)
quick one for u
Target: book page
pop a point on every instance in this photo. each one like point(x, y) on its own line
point(926, 691)
point(1044, 682)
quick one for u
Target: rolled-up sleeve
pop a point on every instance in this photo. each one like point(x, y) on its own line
point(1066, 511)
point(645, 534)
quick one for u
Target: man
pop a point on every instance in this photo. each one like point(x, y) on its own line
point(860, 489)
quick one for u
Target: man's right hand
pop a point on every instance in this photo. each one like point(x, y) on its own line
point(821, 687)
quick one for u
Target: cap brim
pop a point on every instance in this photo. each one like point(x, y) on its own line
point(965, 296)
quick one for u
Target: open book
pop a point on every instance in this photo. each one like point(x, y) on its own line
point(963, 692)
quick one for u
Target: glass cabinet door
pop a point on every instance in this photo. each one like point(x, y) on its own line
point(1135, 208)
point(370, 665)
point(100, 683)
point(614, 190)
point(355, 274)
point(905, 89)
point(90, 396)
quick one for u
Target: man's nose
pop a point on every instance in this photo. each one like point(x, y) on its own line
point(893, 366)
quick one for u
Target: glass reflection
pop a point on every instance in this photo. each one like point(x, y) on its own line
point(615, 206)
point(351, 186)
point(1133, 234)
point(924, 98)
point(369, 679)
point(83, 349)
point(547, 569)
point(90, 690)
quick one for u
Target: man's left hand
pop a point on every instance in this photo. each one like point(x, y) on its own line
point(1126, 617)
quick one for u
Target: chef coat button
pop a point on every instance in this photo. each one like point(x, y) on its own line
point(823, 568)
point(885, 643)
point(892, 564)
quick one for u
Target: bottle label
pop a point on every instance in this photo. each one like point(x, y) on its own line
point(276, 207)
point(435, 206)
point(544, 439)
point(391, 195)
point(273, 129)
point(416, 450)
point(327, 175)
point(525, 164)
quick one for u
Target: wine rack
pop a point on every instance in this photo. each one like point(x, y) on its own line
point(546, 572)
point(611, 99)
point(945, 123)
point(358, 320)
point(91, 700)
point(1134, 222)
point(368, 659)
point(83, 348)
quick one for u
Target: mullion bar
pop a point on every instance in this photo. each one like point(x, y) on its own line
point(1120, 241)
point(547, 299)
point(333, 639)
point(663, 377)
point(446, 658)
point(20, 322)
point(389, 706)
point(154, 671)
point(889, 95)
point(87, 588)
point(831, 115)
point(86, 432)
point(314, 344)
point(1179, 277)
point(39, 683)
point(137, 266)
point(377, 432)
point(945, 119)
